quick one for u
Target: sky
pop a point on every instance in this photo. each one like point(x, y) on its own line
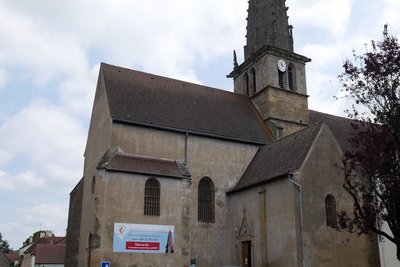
point(50, 53)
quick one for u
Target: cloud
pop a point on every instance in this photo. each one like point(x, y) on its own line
point(154, 35)
point(330, 16)
point(33, 218)
point(76, 94)
point(3, 77)
point(43, 56)
point(48, 138)
point(390, 16)
point(22, 181)
point(157, 37)
point(39, 214)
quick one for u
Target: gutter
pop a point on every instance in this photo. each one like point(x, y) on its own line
point(290, 177)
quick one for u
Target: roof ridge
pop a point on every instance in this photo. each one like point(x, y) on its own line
point(332, 115)
point(220, 90)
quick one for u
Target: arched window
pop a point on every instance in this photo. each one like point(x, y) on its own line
point(152, 197)
point(281, 77)
point(330, 208)
point(253, 81)
point(89, 250)
point(246, 84)
point(206, 201)
point(291, 77)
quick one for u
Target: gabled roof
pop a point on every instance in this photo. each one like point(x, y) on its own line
point(10, 256)
point(47, 253)
point(46, 240)
point(150, 100)
point(122, 162)
point(48, 250)
point(279, 158)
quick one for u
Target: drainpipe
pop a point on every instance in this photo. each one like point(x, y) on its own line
point(290, 176)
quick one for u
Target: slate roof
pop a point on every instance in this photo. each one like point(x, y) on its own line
point(151, 100)
point(279, 158)
point(341, 127)
point(122, 162)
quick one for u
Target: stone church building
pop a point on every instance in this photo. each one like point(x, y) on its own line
point(180, 174)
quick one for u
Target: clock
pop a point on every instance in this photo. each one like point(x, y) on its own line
point(281, 65)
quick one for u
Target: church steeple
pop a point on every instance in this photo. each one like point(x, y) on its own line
point(272, 75)
point(267, 24)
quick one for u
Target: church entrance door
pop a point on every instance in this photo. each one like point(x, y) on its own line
point(246, 254)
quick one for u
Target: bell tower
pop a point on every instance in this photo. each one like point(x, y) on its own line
point(272, 75)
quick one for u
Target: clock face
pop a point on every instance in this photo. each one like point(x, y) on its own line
point(281, 65)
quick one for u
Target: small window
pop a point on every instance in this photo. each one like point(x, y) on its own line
point(89, 250)
point(206, 201)
point(330, 208)
point(246, 84)
point(152, 197)
point(253, 81)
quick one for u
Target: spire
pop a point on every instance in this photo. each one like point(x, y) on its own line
point(235, 63)
point(267, 24)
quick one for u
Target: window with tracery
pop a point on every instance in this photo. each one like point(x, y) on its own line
point(330, 208)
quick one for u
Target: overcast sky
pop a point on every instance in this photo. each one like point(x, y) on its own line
point(50, 53)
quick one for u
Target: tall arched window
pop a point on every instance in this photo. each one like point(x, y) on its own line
point(152, 197)
point(281, 77)
point(253, 81)
point(330, 208)
point(292, 77)
point(246, 84)
point(206, 208)
point(89, 250)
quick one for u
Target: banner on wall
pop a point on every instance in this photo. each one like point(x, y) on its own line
point(143, 238)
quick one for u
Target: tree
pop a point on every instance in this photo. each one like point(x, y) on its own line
point(4, 246)
point(372, 165)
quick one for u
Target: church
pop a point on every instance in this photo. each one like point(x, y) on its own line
point(180, 174)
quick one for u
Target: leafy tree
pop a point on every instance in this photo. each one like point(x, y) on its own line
point(372, 166)
point(4, 246)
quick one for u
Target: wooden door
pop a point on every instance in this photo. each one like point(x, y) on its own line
point(246, 254)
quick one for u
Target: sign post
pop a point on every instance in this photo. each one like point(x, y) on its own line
point(105, 264)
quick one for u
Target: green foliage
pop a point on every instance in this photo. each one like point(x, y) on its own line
point(372, 167)
point(4, 246)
